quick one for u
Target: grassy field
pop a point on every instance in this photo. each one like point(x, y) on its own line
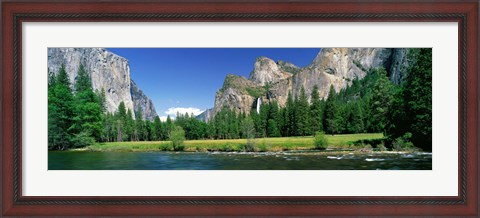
point(261, 144)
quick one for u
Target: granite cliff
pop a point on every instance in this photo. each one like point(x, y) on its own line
point(142, 103)
point(108, 72)
point(271, 80)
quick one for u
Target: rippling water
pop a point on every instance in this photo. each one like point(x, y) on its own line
point(75, 160)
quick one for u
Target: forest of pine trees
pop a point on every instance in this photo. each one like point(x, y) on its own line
point(74, 115)
point(77, 116)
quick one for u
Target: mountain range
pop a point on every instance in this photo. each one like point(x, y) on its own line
point(268, 81)
point(273, 81)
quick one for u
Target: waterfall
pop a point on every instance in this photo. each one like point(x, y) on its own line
point(259, 102)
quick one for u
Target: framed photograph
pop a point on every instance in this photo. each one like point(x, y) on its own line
point(253, 108)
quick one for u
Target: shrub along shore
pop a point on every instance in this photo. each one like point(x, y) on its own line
point(347, 141)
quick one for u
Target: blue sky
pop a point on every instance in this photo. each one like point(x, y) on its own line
point(186, 79)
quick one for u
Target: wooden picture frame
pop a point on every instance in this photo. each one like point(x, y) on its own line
point(14, 13)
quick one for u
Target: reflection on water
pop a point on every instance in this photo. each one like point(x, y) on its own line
point(74, 160)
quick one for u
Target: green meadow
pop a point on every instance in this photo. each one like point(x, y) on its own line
point(260, 144)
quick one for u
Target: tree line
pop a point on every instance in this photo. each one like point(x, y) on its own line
point(77, 116)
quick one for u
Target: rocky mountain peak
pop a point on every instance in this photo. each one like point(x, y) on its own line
point(236, 82)
point(267, 71)
point(288, 67)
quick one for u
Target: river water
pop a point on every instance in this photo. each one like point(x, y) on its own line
point(80, 160)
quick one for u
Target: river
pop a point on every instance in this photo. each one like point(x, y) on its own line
point(82, 160)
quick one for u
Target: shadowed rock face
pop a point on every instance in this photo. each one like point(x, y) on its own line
point(399, 65)
point(332, 66)
point(142, 103)
point(206, 115)
point(108, 72)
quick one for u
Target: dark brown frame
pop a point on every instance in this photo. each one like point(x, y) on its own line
point(465, 13)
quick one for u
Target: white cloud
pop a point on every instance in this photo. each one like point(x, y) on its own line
point(182, 110)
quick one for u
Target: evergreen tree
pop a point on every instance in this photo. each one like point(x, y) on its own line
point(109, 128)
point(157, 129)
point(303, 114)
point(241, 121)
point(102, 100)
point(355, 118)
point(273, 129)
point(418, 97)
point(331, 113)
point(272, 126)
point(255, 119)
point(281, 121)
point(106, 124)
point(221, 123)
point(148, 134)
point(140, 130)
point(53, 128)
point(380, 101)
point(120, 118)
point(234, 125)
point(397, 120)
point(60, 111)
point(249, 130)
point(119, 126)
point(168, 126)
point(342, 116)
point(262, 121)
point(87, 126)
point(128, 126)
point(210, 131)
point(316, 111)
point(290, 120)
point(82, 81)
point(122, 111)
